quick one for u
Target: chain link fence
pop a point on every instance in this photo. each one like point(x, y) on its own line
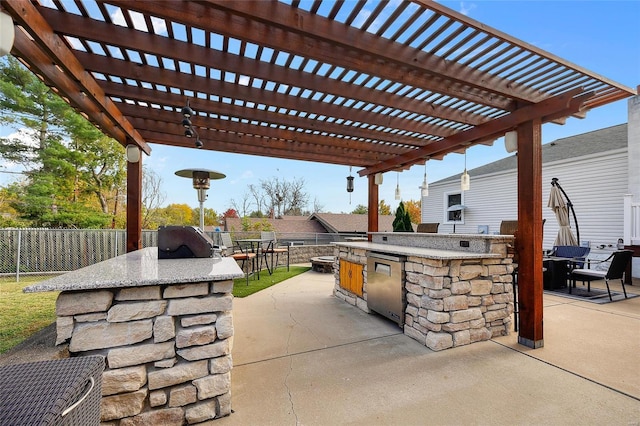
point(39, 253)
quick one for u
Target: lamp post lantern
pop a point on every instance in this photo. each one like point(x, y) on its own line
point(201, 178)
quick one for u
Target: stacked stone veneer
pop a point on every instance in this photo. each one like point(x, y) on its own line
point(167, 349)
point(302, 253)
point(457, 302)
point(450, 302)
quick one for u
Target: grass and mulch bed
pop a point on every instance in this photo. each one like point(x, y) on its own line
point(241, 289)
point(23, 314)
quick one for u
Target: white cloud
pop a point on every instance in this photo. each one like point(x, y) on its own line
point(158, 163)
point(466, 8)
point(246, 175)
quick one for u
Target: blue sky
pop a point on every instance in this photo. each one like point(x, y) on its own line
point(601, 36)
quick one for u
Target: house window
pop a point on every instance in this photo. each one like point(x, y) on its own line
point(453, 214)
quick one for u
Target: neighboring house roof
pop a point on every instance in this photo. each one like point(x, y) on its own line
point(342, 222)
point(594, 142)
point(317, 223)
point(288, 224)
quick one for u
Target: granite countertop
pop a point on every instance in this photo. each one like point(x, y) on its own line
point(427, 253)
point(141, 268)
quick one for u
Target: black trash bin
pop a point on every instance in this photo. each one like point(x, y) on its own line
point(56, 392)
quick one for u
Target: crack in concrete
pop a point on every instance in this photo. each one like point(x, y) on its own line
point(286, 379)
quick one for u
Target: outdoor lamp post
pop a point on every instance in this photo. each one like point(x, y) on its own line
point(201, 178)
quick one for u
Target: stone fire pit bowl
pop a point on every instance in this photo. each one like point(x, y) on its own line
point(323, 264)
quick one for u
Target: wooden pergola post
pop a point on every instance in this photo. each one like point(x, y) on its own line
point(134, 205)
point(529, 238)
point(372, 207)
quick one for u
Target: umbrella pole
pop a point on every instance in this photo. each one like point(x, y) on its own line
point(554, 182)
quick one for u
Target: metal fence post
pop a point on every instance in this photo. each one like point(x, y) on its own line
point(18, 258)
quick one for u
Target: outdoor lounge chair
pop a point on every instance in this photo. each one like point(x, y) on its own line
point(272, 248)
point(619, 261)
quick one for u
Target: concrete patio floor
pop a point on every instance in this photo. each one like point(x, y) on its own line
point(303, 357)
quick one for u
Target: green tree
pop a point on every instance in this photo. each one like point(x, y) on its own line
point(257, 225)
point(384, 208)
point(177, 214)
point(402, 221)
point(360, 209)
point(210, 216)
point(74, 172)
point(413, 208)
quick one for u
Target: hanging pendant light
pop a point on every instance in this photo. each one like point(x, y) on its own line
point(189, 130)
point(398, 187)
point(349, 184)
point(465, 179)
point(424, 189)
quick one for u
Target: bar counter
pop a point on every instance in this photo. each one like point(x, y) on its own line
point(141, 268)
point(456, 289)
point(165, 328)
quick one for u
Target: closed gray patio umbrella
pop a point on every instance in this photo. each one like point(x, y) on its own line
point(556, 203)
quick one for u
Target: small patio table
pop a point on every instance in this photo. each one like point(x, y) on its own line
point(557, 272)
point(256, 247)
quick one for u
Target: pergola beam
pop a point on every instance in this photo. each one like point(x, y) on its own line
point(547, 110)
point(27, 15)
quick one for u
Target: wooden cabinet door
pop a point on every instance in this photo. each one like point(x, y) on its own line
point(351, 277)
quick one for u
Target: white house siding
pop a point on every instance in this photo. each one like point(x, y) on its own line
point(595, 184)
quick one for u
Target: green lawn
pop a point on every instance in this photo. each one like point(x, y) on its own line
point(22, 314)
point(241, 289)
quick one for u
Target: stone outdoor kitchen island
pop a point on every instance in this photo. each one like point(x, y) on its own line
point(457, 289)
point(164, 327)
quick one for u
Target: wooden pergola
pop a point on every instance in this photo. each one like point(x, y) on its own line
point(334, 82)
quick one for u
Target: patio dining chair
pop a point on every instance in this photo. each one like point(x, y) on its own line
point(577, 253)
point(576, 257)
point(270, 248)
point(619, 261)
point(240, 253)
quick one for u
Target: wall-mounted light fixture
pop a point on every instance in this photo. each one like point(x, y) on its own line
point(7, 34)
point(511, 141)
point(189, 130)
point(377, 179)
point(133, 153)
